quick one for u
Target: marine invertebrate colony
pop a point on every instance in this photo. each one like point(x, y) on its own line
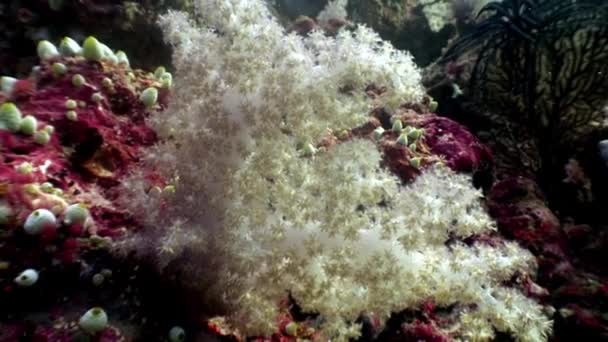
point(57, 171)
point(261, 207)
point(545, 60)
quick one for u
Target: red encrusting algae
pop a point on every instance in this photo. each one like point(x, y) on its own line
point(83, 158)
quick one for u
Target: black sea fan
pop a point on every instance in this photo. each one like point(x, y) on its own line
point(517, 29)
point(544, 60)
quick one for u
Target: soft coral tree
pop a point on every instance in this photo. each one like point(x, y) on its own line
point(266, 211)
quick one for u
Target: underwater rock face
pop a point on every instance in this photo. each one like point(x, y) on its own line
point(461, 150)
point(521, 213)
point(442, 140)
point(571, 258)
point(83, 128)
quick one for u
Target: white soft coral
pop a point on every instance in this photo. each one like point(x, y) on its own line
point(335, 229)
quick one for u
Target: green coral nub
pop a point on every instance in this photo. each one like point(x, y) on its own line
point(10, 117)
point(149, 97)
point(42, 137)
point(291, 329)
point(78, 80)
point(7, 84)
point(46, 187)
point(39, 220)
point(71, 104)
point(25, 168)
point(159, 72)
point(309, 150)
point(121, 58)
point(166, 80)
point(93, 321)
point(27, 278)
point(416, 162)
point(108, 54)
point(71, 115)
point(28, 126)
point(402, 140)
point(6, 214)
point(92, 49)
point(46, 50)
point(97, 97)
point(177, 334)
point(59, 69)
point(75, 214)
point(107, 82)
point(69, 47)
point(378, 132)
point(415, 133)
point(397, 126)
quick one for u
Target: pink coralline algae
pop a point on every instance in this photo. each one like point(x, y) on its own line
point(82, 157)
point(572, 276)
point(521, 212)
point(460, 149)
point(438, 139)
point(420, 331)
point(442, 140)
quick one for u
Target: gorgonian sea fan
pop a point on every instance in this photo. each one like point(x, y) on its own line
point(544, 60)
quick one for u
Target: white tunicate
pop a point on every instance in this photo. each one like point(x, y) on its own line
point(38, 220)
point(69, 47)
point(149, 96)
point(177, 334)
point(46, 50)
point(98, 279)
point(122, 58)
point(27, 278)
point(94, 320)
point(75, 214)
point(7, 84)
point(108, 54)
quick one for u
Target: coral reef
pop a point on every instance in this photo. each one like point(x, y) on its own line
point(291, 186)
point(80, 126)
